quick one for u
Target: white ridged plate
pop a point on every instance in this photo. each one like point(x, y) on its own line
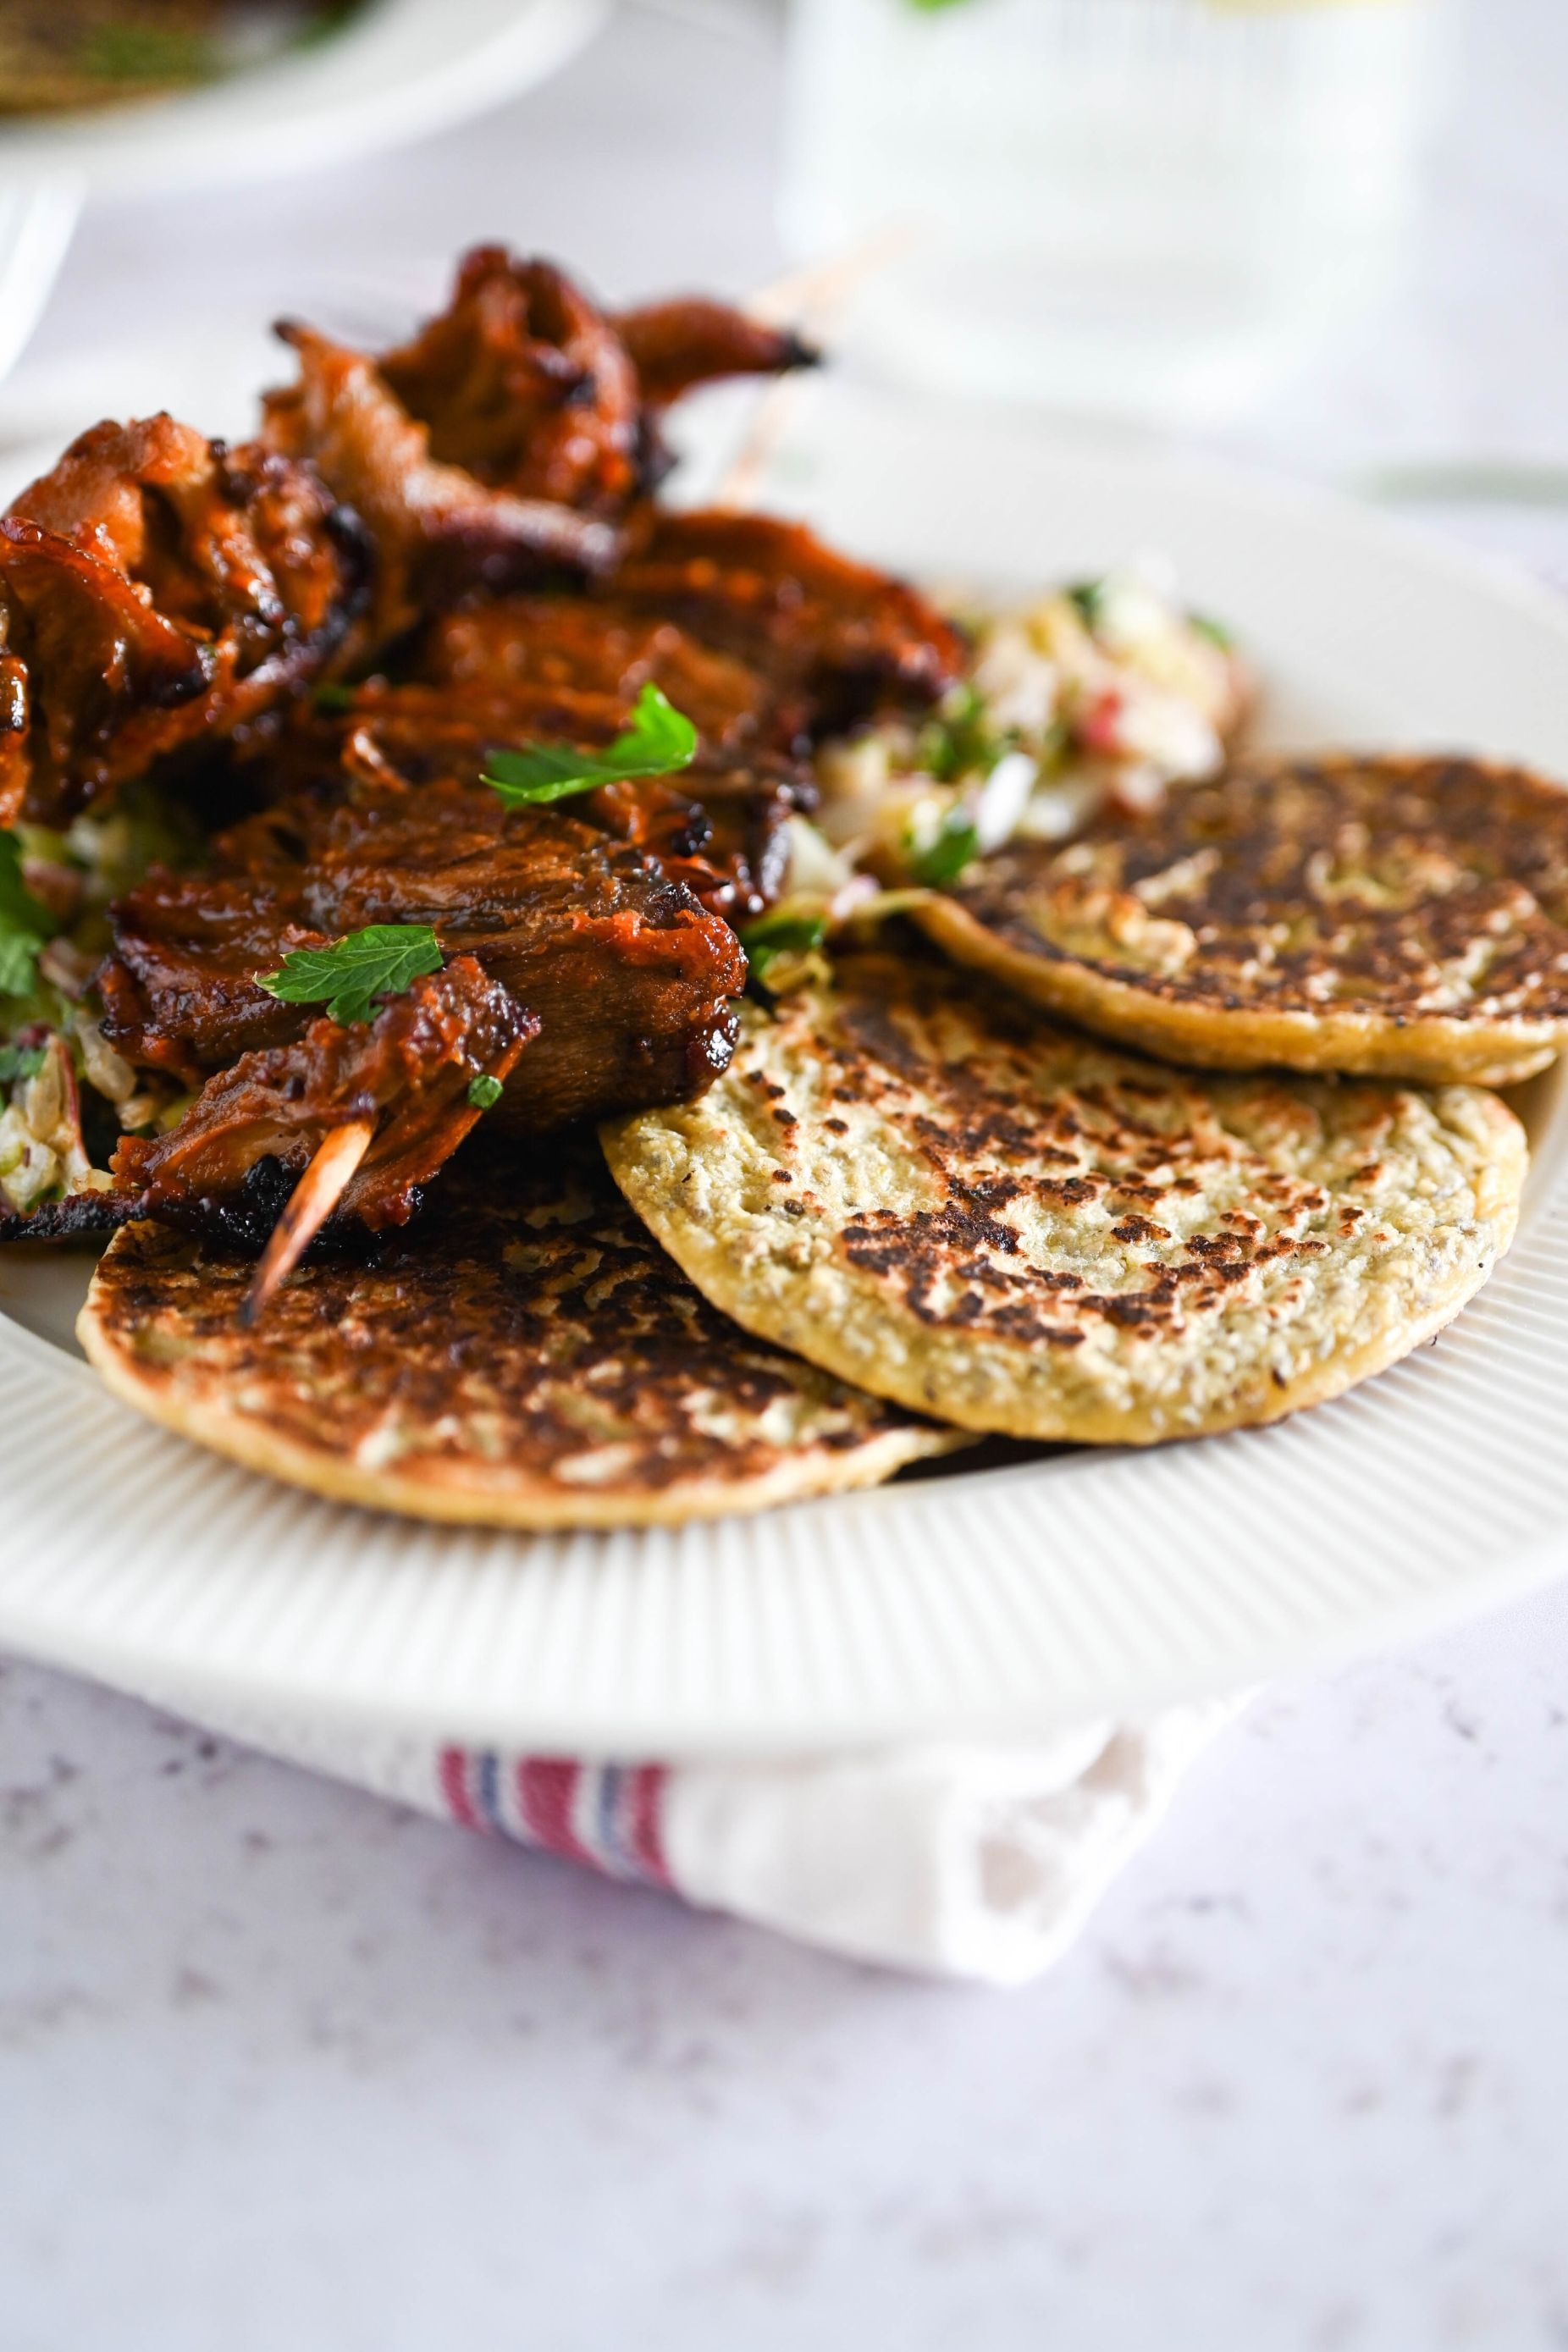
point(989, 1601)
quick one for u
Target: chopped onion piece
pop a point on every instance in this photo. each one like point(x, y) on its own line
point(1003, 799)
point(1017, 682)
point(1058, 809)
point(107, 1070)
point(813, 864)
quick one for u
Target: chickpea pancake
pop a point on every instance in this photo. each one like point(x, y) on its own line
point(1396, 917)
point(925, 1188)
point(524, 1355)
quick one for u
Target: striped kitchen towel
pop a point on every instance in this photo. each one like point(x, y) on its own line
point(969, 1861)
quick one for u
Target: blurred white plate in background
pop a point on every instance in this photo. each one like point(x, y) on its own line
point(984, 1601)
point(401, 70)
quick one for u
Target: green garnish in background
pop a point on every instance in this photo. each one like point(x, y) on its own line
point(944, 858)
point(484, 1091)
point(659, 740)
point(24, 925)
point(149, 53)
point(1088, 596)
point(1215, 631)
point(960, 741)
point(771, 936)
point(21, 1062)
point(353, 974)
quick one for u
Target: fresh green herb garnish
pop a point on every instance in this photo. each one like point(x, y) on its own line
point(785, 933)
point(1215, 631)
point(1088, 596)
point(326, 26)
point(658, 740)
point(484, 1091)
point(333, 695)
point(356, 972)
point(771, 936)
point(150, 53)
point(945, 857)
point(21, 1062)
point(24, 925)
point(960, 741)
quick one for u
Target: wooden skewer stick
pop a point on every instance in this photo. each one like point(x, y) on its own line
point(810, 298)
point(822, 288)
point(311, 1203)
point(743, 476)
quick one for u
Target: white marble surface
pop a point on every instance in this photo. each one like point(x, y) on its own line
point(283, 2066)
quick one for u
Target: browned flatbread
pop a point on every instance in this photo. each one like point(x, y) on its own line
point(931, 1190)
point(1396, 917)
point(525, 1355)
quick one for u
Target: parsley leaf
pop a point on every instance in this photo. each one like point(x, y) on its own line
point(659, 740)
point(944, 858)
point(1215, 631)
point(21, 1062)
point(332, 696)
point(24, 925)
point(960, 741)
point(355, 972)
point(775, 935)
point(484, 1091)
point(785, 934)
point(18, 962)
point(1088, 596)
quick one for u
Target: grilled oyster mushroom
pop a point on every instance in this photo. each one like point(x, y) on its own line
point(847, 636)
point(631, 979)
point(510, 436)
point(687, 340)
point(159, 591)
point(532, 648)
point(438, 530)
point(406, 1076)
point(527, 384)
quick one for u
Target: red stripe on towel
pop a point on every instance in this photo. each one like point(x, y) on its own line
point(546, 1792)
point(645, 1821)
point(453, 1769)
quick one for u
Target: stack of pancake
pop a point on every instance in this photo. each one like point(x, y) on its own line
point(1193, 1125)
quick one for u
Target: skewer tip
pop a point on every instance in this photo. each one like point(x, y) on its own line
point(311, 1203)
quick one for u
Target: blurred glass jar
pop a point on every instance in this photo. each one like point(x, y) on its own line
point(1153, 207)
